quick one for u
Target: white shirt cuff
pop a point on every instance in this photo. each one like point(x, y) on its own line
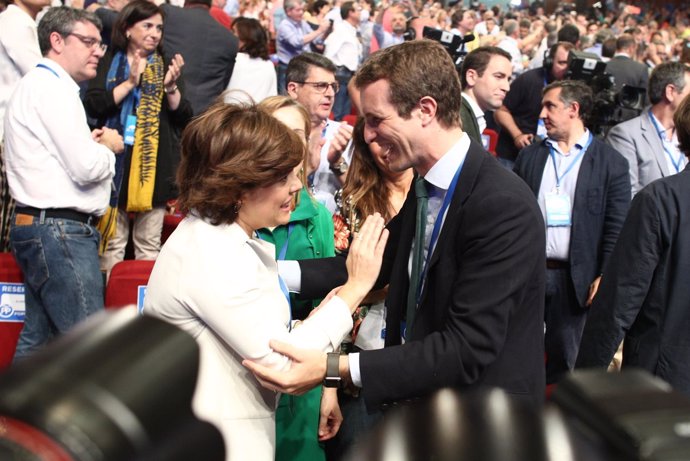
point(291, 274)
point(353, 360)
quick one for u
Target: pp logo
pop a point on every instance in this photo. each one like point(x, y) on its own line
point(6, 311)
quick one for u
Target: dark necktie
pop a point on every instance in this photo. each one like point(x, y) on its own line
point(422, 194)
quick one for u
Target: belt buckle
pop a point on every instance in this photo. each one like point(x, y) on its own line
point(21, 219)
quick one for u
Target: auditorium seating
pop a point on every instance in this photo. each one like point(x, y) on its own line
point(9, 331)
point(124, 281)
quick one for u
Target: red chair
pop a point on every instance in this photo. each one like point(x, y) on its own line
point(493, 140)
point(125, 279)
point(350, 119)
point(170, 222)
point(9, 331)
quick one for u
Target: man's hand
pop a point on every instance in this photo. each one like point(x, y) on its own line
point(523, 140)
point(330, 417)
point(593, 288)
point(339, 143)
point(307, 371)
point(110, 138)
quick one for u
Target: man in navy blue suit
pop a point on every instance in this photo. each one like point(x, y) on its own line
point(583, 189)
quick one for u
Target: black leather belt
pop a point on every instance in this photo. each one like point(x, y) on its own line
point(556, 264)
point(58, 213)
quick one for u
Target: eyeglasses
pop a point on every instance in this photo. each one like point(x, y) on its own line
point(91, 43)
point(322, 87)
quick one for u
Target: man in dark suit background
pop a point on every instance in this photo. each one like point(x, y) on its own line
point(583, 189)
point(646, 287)
point(478, 314)
point(625, 70)
point(485, 78)
point(209, 50)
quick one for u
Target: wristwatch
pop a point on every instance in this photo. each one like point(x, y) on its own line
point(332, 378)
point(339, 168)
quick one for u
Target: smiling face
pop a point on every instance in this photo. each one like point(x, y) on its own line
point(145, 35)
point(269, 206)
point(318, 104)
point(491, 88)
point(394, 134)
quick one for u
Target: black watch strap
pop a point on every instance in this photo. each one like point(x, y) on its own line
point(332, 378)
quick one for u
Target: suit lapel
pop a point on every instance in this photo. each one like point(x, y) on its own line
point(470, 169)
point(650, 135)
point(584, 178)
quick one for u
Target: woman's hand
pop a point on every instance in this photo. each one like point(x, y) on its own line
point(364, 260)
point(136, 69)
point(173, 73)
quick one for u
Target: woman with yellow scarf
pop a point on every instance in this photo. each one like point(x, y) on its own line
point(139, 93)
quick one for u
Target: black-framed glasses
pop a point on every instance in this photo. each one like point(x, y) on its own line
point(91, 43)
point(322, 87)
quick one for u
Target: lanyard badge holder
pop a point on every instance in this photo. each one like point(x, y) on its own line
point(558, 205)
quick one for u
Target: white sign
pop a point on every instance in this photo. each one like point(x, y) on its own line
point(12, 302)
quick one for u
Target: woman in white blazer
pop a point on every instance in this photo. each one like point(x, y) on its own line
point(216, 280)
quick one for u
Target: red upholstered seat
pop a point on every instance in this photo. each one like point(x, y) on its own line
point(9, 331)
point(125, 278)
point(493, 140)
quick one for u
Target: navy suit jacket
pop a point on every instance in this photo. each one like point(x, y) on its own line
point(208, 49)
point(602, 198)
point(644, 292)
point(480, 320)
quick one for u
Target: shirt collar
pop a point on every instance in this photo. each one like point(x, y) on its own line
point(580, 143)
point(441, 174)
point(62, 73)
point(478, 112)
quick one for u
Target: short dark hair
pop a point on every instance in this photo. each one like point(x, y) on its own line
point(681, 119)
point(569, 33)
point(199, 2)
point(668, 73)
point(345, 9)
point(229, 150)
point(315, 7)
point(298, 68)
point(61, 19)
point(478, 60)
point(574, 91)
point(253, 36)
point(132, 13)
point(625, 41)
point(414, 70)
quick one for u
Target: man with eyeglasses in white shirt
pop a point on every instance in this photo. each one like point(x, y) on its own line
point(311, 82)
point(60, 175)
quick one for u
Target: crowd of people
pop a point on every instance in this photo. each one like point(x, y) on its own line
point(349, 243)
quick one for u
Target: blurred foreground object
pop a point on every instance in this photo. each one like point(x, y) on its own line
point(118, 387)
point(594, 416)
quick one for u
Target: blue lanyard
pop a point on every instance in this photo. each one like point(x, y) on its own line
point(659, 131)
point(437, 226)
point(281, 282)
point(572, 164)
point(43, 66)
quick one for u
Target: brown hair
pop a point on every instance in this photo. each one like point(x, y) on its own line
point(681, 119)
point(229, 150)
point(416, 69)
point(365, 191)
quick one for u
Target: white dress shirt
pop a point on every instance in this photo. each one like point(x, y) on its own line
point(255, 78)
point(477, 111)
point(51, 159)
point(19, 52)
point(675, 159)
point(343, 46)
point(558, 238)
